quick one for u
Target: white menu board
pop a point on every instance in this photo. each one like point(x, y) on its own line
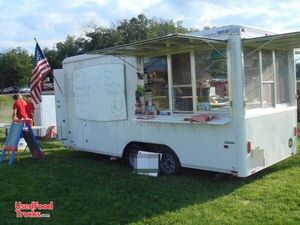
point(99, 92)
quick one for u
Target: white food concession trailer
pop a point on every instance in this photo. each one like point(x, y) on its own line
point(221, 100)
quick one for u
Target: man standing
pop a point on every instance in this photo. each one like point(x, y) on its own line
point(19, 108)
point(29, 108)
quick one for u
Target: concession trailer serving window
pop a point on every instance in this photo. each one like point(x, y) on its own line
point(186, 74)
point(269, 70)
point(182, 73)
point(266, 78)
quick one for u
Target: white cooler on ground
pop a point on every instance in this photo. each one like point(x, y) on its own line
point(147, 163)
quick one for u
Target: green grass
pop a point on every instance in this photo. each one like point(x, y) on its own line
point(6, 99)
point(90, 189)
point(6, 103)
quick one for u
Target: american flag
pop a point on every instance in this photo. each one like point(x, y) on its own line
point(41, 69)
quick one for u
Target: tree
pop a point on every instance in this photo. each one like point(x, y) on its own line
point(160, 27)
point(15, 68)
point(69, 47)
point(123, 32)
point(126, 31)
point(100, 38)
point(135, 29)
point(52, 57)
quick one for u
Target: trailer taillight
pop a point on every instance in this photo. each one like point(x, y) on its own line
point(249, 147)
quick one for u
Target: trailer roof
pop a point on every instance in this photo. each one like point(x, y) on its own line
point(277, 41)
point(162, 46)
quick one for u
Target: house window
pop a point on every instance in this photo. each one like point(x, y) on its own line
point(211, 79)
point(182, 83)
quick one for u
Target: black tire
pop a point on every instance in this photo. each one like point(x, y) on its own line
point(131, 154)
point(169, 162)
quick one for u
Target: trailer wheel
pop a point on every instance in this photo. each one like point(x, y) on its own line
point(169, 163)
point(131, 154)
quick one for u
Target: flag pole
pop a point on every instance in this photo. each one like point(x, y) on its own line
point(57, 83)
point(51, 71)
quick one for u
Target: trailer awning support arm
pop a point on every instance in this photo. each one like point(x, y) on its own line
point(216, 49)
point(296, 60)
point(127, 62)
point(257, 49)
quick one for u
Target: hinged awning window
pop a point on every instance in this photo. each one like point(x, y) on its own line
point(162, 46)
point(273, 42)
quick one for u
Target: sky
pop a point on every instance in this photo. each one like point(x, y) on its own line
point(50, 21)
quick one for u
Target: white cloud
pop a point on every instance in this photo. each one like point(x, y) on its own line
point(81, 3)
point(136, 6)
point(52, 21)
